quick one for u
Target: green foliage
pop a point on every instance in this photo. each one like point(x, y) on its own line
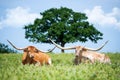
point(62, 25)
point(5, 49)
point(11, 68)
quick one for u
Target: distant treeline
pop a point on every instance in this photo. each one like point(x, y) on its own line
point(5, 49)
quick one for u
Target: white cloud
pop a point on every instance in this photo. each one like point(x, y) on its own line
point(18, 17)
point(98, 16)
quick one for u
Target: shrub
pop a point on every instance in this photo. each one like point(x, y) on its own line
point(5, 49)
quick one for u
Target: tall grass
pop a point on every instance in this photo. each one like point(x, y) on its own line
point(62, 68)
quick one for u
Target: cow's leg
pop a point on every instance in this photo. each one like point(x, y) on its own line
point(24, 57)
point(37, 64)
point(49, 61)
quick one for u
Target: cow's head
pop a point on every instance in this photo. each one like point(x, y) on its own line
point(31, 51)
point(78, 50)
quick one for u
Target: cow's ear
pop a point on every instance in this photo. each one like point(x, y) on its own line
point(26, 49)
point(84, 49)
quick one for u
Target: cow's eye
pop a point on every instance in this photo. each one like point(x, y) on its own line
point(36, 51)
point(25, 50)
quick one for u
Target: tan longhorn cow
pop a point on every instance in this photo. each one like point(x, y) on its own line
point(87, 53)
point(34, 56)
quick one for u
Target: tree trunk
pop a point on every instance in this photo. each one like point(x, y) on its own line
point(62, 50)
point(62, 44)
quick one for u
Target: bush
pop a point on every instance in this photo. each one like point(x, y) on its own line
point(5, 49)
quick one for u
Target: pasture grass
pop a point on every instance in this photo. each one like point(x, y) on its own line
point(62, 68)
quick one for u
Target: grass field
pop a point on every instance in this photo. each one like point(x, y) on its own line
point(62, 68)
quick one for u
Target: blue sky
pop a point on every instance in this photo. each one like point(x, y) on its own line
point(104, 14)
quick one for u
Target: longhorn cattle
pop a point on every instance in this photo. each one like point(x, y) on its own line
point(34, 56)
point(88, 53)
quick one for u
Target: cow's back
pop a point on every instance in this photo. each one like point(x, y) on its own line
point(42, 58)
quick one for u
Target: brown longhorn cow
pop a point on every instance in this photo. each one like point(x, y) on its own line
point(86, 53)
point(34, 56)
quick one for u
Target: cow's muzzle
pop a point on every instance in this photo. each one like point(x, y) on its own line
point(31, 56)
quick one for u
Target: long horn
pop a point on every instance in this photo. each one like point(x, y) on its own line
point(48, 50)
point(97, 48)
point(64, 48)
point(15, 46)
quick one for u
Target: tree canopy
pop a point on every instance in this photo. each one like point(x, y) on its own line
point(63, 25)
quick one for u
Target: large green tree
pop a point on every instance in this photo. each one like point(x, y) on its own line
point(63, 25)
